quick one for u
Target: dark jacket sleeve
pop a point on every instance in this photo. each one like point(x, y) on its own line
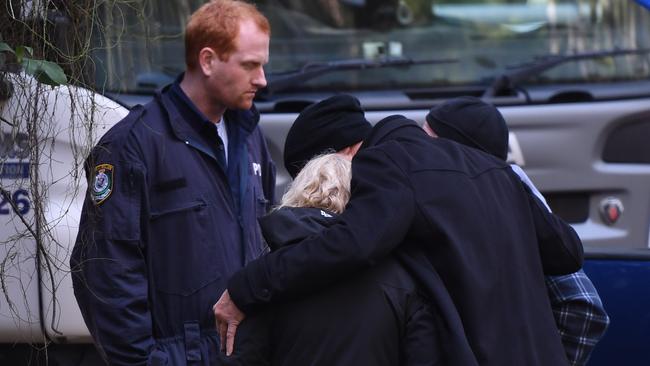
point(559, 245)
point(577, 308)
point(420, 344)
point(108, 263)
point(374, 222)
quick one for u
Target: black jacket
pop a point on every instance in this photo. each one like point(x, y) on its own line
point(374, 317)
point(464, 225)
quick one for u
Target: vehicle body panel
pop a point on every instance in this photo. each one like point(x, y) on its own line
point(63, 143)
point(623, 285)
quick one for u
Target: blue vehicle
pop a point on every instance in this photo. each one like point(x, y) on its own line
point(571, 77)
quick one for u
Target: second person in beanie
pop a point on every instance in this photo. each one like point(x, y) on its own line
point(577, 308)
point(471, 122)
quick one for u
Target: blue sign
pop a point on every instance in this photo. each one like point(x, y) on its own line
point(14, 170)
point(18, 201)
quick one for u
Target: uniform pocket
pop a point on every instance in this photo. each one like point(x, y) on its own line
point(180, 208)
point(262, 206)
point(182, 257)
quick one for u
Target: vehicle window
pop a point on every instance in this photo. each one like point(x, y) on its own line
point(140, 48)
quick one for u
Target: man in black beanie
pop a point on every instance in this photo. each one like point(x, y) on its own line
point(335, 124)
point(577, 308)
point(480, 258)
point(471, 122)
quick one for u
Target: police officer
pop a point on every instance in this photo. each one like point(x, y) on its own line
point(175, 190)
point(461, 222)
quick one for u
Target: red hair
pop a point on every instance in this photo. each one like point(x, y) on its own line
point(216, 25)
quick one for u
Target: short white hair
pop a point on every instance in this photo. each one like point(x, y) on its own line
point(324, 182)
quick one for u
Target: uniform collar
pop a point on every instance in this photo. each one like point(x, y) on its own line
point(179, 105)
point(186, 106)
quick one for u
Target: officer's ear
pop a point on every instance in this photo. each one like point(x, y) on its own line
point(208, 60)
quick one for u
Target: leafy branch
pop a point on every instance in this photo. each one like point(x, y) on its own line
point(44, 71)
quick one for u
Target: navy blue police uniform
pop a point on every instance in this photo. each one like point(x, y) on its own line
point(166, 221)
point(456, 218)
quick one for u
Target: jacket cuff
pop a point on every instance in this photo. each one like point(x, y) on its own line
point(249, 287)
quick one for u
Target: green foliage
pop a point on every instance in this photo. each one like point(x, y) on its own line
point(5, 47)
point(20, 52)
point(45, 72)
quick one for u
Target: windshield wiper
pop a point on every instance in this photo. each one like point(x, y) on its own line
point(505, 83)
point(280, 81)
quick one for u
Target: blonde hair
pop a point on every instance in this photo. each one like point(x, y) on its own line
point(324, 183)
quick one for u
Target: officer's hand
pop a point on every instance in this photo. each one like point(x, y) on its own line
point(228, 317)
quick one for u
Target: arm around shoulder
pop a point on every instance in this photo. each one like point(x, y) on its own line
point(375, 221)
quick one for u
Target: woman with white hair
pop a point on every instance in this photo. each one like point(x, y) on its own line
point(374, 317)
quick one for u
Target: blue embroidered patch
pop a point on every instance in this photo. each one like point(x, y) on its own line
point(102, 184)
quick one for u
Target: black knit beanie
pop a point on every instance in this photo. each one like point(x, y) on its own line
point(331, 124)
point(471, 122)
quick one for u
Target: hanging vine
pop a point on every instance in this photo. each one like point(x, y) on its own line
point(50, 117)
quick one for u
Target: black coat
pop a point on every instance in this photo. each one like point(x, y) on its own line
point(464, 225)
point(374, 317)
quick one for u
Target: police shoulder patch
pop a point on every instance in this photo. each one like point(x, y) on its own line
point(102, 184)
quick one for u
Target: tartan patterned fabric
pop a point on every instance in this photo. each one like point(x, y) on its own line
point(579, 314)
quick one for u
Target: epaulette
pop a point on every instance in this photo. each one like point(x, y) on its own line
point(123, 127)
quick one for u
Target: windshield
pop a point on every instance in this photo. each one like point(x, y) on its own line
point(140, 48)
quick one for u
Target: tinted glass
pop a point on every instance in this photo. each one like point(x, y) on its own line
point(140, 46)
